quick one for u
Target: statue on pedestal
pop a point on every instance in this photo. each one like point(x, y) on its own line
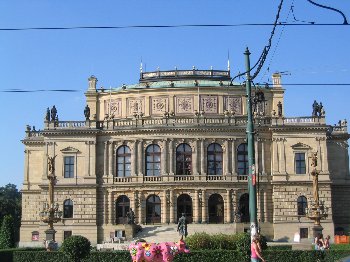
point(87, 112)
point(131, 217)
point(182, 226)
point(314, 174)
point(53, 113)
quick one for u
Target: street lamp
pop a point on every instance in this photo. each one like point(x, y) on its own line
point(51, 213)
point(251, 153)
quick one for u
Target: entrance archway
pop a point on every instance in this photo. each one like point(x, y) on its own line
point(122, 206)
point(184, 205)
point(216, 209)
point(244, 208)
point(153, 209)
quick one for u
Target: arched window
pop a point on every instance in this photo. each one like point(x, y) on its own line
point(68, 208)
point(153, 209)
point(302, 205)
point(153, 160)
point(183, 160)
point(214, 159)
point(242, 159)
point(123, 161)
point(122, 205)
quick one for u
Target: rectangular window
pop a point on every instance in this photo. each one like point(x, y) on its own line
point(67, 234)
point(300, 167)
point(304, 232)
point(68, 166)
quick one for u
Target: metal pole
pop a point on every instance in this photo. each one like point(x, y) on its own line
point(251, 153)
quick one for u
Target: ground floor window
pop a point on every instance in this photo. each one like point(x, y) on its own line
point(67, 234)
point(304, 233)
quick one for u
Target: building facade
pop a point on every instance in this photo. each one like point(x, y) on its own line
point(176, 143)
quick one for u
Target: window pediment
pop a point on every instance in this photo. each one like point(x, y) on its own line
point(301, 146)
point(70, 150)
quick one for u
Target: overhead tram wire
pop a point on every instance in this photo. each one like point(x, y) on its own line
point(169, 26)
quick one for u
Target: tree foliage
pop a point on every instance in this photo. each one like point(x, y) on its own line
point(10, 204)
point(76, 247)
point(7, 233)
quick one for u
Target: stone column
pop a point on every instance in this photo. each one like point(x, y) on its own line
point(87, 158)
point(195, 158)
point(234, 204)
point(282, 157)
point(110, 159)
point(172, 207)
point(324, 162)
point(141, 207)
point(171, 157)
point(263, 157)
point(204, 207)
point(228, 206)
point(105, 160)
point(133, 159)
point(164, 213)
point(258, 206)
point(164, 158)
point(106, 208)
point(203, 157)
point(196, 207)
point(227, 159)
point(234, 157)
point(111, 208)
point(93, 158)
point(275, 166)
point(140, 157)
point(26, 167)
point(265, 207)
point(133, 206)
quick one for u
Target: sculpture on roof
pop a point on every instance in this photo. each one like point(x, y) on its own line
point(47, 116)
point(87, 112)
point(53, 113)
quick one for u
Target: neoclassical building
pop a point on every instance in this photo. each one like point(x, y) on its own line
point(176, 142)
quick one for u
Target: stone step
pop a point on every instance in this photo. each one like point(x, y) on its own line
point(167, 233)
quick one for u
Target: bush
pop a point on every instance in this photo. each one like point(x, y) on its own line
point(7, 233)
point(199, 241)
point(76, 247)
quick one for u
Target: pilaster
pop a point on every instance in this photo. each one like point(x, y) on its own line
point(228, 206)
point(204, 207)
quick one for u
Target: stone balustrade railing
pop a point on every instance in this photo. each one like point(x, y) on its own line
point(180, 179)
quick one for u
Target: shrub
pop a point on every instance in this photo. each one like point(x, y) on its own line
point(76, 247)
point(7, 233)
point(199, 241)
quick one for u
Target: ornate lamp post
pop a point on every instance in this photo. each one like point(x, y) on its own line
point(317, 211)
point(50, 213)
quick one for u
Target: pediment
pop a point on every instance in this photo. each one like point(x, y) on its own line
point(301, 146)
point(70, 150)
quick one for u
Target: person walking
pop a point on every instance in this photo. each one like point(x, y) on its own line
point(255, 249)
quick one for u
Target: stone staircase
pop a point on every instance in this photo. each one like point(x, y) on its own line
point(167, 233)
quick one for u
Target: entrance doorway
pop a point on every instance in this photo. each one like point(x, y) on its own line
point(184, 205)
point(216, 209)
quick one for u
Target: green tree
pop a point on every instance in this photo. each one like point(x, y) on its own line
point(10, 204)
point(76, 247)
point(7, 233)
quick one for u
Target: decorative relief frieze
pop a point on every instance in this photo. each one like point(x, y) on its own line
point(233, 104)
point(113, 107)
point(136, 105)
point(209, 104)
point(184, 105)
point(159, 105)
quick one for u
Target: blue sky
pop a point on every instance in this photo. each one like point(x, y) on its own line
point(64, 59)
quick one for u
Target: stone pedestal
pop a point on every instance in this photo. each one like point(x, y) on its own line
point(316, 230)
point(130, 231)
point(50, 234)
